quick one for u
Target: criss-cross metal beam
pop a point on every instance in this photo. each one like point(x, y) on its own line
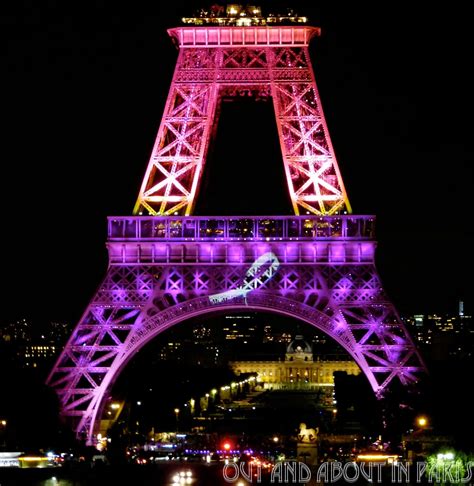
point(274, 60)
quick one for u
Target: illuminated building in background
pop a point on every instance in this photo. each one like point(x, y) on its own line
point(272, 336)
point(23, 331)
point(299, 369)
point(171, 351)
point(19, 331)
point(443, 336)
point(31, 344)
point(33, 356)
point(241, 329)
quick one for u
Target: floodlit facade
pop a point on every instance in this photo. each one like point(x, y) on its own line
point(298, 369)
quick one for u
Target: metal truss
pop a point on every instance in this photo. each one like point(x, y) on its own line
point(207, 70)
point(149, 289)
point(169, 267)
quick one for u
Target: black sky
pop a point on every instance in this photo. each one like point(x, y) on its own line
point(83, 92)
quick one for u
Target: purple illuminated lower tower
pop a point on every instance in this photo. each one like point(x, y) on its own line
point(168, 266)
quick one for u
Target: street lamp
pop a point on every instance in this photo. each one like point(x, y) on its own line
point(3, 423)
point(422, 422)
point(176, 411)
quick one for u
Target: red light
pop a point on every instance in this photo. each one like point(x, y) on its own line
point(227, 446)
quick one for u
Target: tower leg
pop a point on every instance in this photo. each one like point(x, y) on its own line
point(175, 167)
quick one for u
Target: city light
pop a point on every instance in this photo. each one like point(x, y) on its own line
point(448, 456)
point(377, 457)
point(33, 459)
point(183, 477)
point(422, 421)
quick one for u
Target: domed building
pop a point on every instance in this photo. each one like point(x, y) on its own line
point(299, 350)
point(298, 370)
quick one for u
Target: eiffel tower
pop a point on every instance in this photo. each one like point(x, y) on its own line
point(167, 266)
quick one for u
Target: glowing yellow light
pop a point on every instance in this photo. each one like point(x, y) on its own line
point(176, 410)
point(422, 421)
point(376, 457)
point(33, 458)
point(115, 406)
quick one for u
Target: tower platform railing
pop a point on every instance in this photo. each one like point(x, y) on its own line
point(241, 228)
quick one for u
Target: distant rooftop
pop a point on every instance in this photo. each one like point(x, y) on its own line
point(242, 16)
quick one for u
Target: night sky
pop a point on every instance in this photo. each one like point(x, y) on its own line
point(83, 90)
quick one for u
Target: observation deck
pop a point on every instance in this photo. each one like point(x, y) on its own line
point(238, 25)
point(241, 228)
point(236, 15)
point(234, 239)
point(209, 36)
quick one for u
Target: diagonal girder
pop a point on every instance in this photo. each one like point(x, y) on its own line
point(175, 167)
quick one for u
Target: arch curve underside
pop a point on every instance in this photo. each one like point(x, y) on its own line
point(136, 303)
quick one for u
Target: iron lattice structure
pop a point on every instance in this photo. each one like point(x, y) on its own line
point(167, 269)
point(230, 61)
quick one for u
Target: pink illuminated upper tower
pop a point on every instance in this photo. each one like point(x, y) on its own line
point(242, 54)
